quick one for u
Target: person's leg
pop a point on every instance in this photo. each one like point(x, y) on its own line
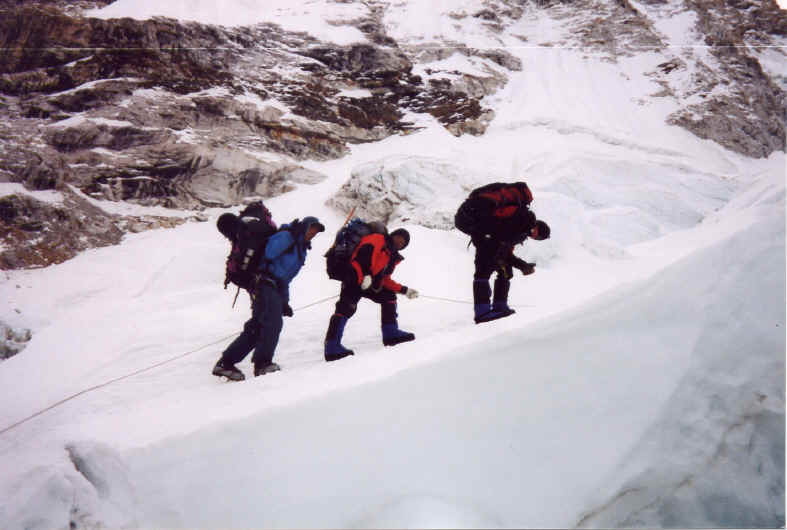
point(243, 343)
point(500, 294)
point(389, 326)
point(269, 315)
point(345, 308)
point(238, 350)
point(485, 265)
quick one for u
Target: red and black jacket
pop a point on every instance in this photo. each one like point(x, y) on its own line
point(374, 256)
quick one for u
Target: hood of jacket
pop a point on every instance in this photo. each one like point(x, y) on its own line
point(298, 228)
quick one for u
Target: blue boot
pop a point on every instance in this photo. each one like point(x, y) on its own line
point(500, 298)
point(481, 295)
point(333, 339)
point(392, 335)
point(486, 313)
point(502, 307)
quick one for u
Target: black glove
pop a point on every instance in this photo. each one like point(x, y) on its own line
point(286, 310)
point(522, 265)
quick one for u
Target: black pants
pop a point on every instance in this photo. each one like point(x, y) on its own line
point(351, 294)
point(486, 262)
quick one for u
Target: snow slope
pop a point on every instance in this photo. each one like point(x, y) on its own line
point(640, 383)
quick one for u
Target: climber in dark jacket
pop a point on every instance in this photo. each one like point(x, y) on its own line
point(495, 229)
point(369, 276)
point(285, 254)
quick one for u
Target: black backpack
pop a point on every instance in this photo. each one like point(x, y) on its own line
point(249, 233)
point(337, 258)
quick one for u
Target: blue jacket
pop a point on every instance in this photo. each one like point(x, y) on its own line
point(285, 254)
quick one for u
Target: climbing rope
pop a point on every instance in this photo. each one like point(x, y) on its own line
point(96, 387)
point(182, 355)
point(137, 372)
point(469, 302)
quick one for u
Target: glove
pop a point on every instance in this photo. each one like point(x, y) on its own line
point(286, 310)
point(366, 282)
point(411, 293)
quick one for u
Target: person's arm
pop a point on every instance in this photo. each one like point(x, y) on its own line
point(392, 285)
point(525, 267)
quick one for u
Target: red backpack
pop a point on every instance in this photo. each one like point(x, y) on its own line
point(505, 199)
point(491, 206)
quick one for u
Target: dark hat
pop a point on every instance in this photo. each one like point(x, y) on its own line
point(404, 235)
point(309, 221)
point(543, 230)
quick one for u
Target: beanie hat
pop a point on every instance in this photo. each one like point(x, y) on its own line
point(309, 221)
point(404, 234)
point(543, 230)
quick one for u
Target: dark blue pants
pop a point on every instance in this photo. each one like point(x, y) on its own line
point(261, 332)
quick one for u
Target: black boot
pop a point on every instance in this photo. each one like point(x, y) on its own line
point(229, 371)
point(260, 369)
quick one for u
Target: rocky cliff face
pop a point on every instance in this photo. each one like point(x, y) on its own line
point(185, 115)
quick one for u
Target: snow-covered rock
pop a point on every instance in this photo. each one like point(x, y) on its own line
point(406, 189)
point(12, 340)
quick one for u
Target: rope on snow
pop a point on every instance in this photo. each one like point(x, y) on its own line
point(137, 372)
point(166, 361)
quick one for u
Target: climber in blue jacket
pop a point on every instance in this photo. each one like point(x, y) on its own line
point(285, 254)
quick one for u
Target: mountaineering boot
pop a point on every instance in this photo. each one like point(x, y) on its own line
point(260, 369)
point(483, 309)
point(500, 298)
point(333, 339)
point(228, 370)
point(392, 335)
point(503, 307)
point(485, 313)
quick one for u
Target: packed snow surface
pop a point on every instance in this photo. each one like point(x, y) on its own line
point(640, 383)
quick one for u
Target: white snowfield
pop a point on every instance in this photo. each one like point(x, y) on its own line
point(640, 383)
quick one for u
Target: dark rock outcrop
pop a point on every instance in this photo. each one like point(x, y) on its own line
point(187, 115)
